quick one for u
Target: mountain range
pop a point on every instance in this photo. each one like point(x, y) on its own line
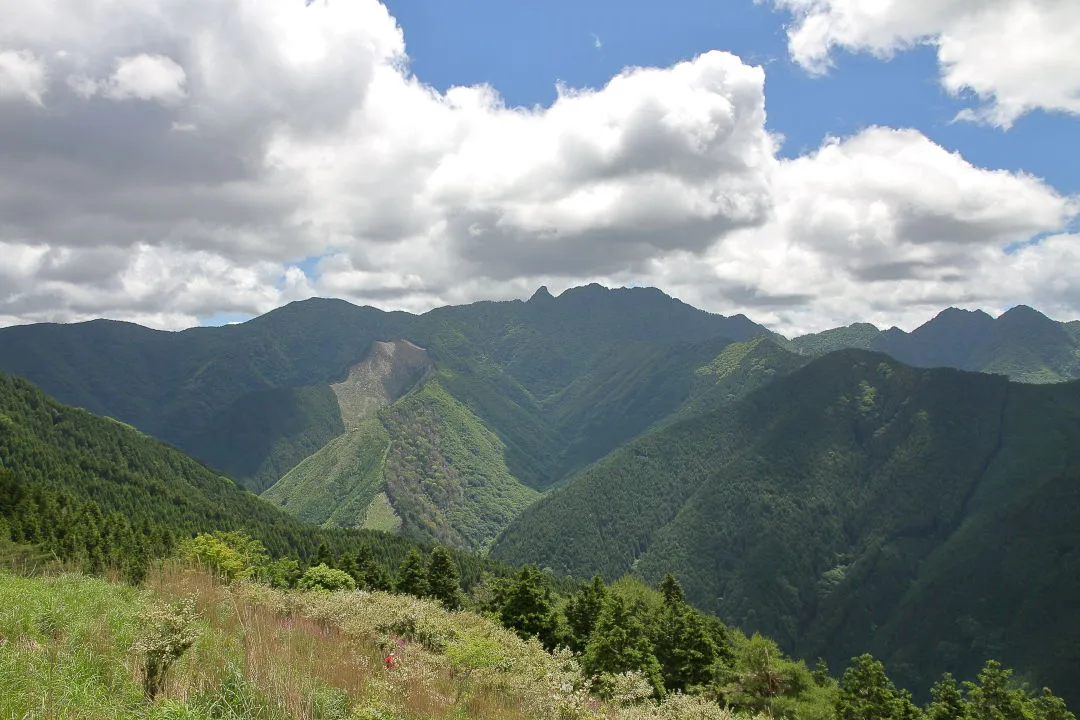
point(913, 493)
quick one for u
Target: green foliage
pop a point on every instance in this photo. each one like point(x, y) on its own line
point(619, 643)
point(687, 646)
point(583, 609)
point(335, 486)
point(947, 701)
point(282, 573)
point(994, 696)
point(830, 510)
point(759, 678)
point(528, 608)
point(88, 490)
point(233, 555)
point(866, 693)
point(857, 335)
point(442, 579)
point(321, 577)
point(445, 473)
point(412, 576)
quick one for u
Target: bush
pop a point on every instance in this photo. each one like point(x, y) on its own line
point(168, 631)
point(321, 577)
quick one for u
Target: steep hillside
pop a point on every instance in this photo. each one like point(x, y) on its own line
point(424, 466)
point(209, 391)
point(57, 462)
point(1022, 343)
point(834, 507)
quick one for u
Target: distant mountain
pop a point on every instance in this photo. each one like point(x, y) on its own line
point(932, 516)
point(1022, 343)
point(328, 397)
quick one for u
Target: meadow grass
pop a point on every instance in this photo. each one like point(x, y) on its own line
point(69, 649)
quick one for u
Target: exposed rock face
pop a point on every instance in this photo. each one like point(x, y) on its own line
point(389, 371)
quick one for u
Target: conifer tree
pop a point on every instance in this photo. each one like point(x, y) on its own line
point(412, 576)
point(867, 693)
point(992, 698)
point(672, 591)
point(619, 643)
point(683, 641)
point(442, 578)
point(322, 556)
point(367, 572)
point(528, 608)
point(582, 611)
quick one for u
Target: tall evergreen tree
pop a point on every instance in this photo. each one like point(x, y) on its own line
point(619, 643)
point(947, 702)
point(412, 576)
point(992, 698)
point(582, 610)
point(368, 573)
point(672, 591)
point(683, 641)
point(442, 578)
point(528, 608)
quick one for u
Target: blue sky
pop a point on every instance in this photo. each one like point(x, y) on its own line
point(523, 48)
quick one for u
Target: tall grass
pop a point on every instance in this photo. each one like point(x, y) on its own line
point(66, 651)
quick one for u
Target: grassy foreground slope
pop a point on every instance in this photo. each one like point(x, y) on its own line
point(73, 644)
point(856, 503)
point(67, 644)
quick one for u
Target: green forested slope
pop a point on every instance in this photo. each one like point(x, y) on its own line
point(202, 389)
point(445, 473)
point(56, 459)
point(251, 399)
point(835, 506)
point(335, 486)
point(609, 514)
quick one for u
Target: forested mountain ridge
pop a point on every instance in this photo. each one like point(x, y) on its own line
point(309, 395)
point(1022, 343)
point(853, 503)
point(253, 399)
point(533, 389)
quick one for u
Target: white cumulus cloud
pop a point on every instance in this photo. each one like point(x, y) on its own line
point(227, 156)
point(1014, 55)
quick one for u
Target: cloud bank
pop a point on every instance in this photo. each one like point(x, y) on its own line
point(164, 162)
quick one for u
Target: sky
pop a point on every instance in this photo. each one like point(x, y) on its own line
point(809, 163)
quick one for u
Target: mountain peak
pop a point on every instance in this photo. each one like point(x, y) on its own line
point(958, 314)
point(542, 294)
point(1023, 313)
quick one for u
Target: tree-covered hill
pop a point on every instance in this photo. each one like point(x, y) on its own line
point(81, 483)
point(231, 396)
point(1022, 343)
point(853, 503)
